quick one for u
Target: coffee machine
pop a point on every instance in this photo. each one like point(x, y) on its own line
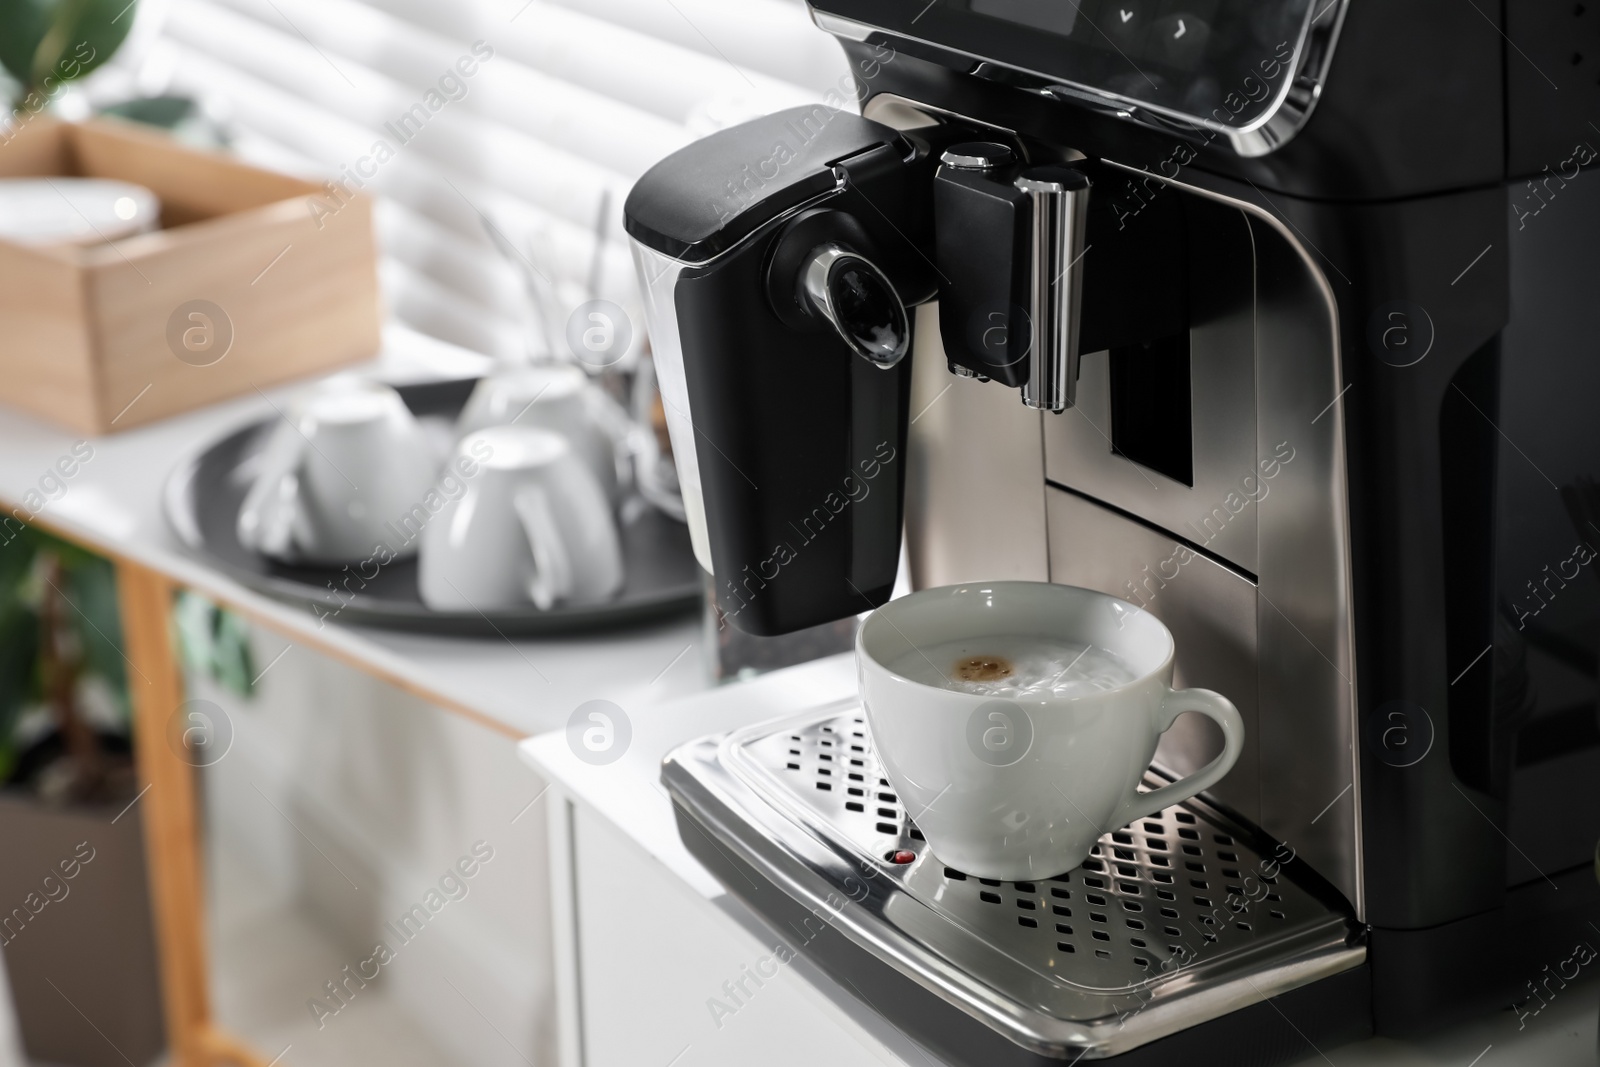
point(1246, 313)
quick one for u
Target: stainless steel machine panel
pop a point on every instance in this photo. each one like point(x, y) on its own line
point(1215, 511)
point(1210, 610)
point(1308, 677)
point(971, 513)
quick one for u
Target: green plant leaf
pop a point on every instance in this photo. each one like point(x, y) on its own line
point(164, 112)
point(19, 672)
point(92, 584)
point(233, 663)
point(82, 35)
point(19, 648)
point(23, 24)
point(72, 557)
point(193, 619)
point(19, 624)
point(18, 546)
point(43, 42)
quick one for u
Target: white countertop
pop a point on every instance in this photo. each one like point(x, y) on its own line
point(113, 502)
point(628, 794)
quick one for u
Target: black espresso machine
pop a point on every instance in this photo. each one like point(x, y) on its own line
point(1273, 317)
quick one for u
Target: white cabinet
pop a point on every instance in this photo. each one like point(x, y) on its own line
point(669, 977)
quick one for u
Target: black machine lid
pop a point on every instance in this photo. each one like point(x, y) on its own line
point(707, 196)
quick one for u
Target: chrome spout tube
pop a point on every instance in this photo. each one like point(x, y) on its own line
point(1059, 202)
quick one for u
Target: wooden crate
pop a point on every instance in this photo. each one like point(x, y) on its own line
point(110, 335)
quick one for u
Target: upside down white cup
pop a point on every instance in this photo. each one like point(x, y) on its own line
point(1022, 787)
point(347, 460)
point(533, 527)
point(552, 396)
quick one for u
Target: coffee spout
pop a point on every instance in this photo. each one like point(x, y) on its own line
point(1058, 198)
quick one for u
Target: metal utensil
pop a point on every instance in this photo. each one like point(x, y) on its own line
point(540, 289)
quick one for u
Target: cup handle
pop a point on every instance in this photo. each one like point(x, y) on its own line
point(551, 581)
point(1220, 710)
point(271, 515)
point(616, 427)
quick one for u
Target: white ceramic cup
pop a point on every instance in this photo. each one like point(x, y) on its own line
point(50, 211)
point(1022, 787)
point(532, 526)
point(347, 463)
point(557, 397)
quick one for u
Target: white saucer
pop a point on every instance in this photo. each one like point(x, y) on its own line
point(47, 211)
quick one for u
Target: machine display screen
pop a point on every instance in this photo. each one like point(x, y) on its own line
point(1224, 62)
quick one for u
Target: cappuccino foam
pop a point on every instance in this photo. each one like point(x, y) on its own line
point(1015, 665)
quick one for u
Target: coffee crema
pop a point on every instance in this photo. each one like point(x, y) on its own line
point(1015, 665)
point(982, 669)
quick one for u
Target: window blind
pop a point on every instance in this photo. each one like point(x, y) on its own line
point(533, 118)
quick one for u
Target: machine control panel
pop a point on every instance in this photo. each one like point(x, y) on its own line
point(1219, 64)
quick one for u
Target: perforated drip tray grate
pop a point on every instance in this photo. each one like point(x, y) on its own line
point(1154, 890)
point(1174, 920)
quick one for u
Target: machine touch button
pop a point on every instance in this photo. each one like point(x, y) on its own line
point(1180, 32)
point(1125, 23)
point(1179, 39)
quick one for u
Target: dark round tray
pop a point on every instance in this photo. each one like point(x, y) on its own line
point(204, 492)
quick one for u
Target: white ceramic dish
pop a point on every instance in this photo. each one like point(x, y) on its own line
point(558, 397)
point(46, 211)
point(350, 469)
point(532, 526)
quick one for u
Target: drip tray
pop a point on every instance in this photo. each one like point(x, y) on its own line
point(1177, 920)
